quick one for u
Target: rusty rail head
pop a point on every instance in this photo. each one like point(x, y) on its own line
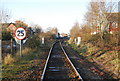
point(77, 73)
point(42, 77)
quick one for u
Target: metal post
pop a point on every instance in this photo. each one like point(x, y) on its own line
point(20, 48)
point(11, 45)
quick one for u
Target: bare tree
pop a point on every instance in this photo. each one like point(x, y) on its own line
point(75, 31)
point(37, 28)
point(4, 18)
point(97, 15)
point(4, 15)
point(53, 30)
point(98, 18)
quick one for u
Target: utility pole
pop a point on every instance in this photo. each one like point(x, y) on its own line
point(0, 48)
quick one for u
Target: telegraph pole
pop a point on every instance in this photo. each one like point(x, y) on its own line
point(1, 49)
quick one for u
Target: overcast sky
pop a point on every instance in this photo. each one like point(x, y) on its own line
point(47, 13)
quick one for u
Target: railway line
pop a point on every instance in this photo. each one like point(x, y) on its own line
point(59, 67)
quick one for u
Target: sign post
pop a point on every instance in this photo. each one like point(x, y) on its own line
point(20, 34)
point(20, 48)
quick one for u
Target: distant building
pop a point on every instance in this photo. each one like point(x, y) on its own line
point(113, 22)
point(11, 27)
point(63, 35)
point(93, 33)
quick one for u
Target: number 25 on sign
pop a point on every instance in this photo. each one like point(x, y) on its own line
point(20, 33)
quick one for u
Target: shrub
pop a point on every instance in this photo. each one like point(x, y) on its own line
point(8, 59)
point(6, 35)
point(25, 51)
point(109, 40)
point(33, 42)
point(94, 38)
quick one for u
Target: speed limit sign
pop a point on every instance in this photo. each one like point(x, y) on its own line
point(20, 33)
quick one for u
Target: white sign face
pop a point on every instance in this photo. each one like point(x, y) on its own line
point(20, 33)
point(21, 41)
point(42, 40)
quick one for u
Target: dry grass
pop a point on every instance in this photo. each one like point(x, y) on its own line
point(8, 59)
point(25, 51)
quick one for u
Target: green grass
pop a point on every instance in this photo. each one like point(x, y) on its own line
point(81, 50)
point(26, 62)
point(106, 58)
point(89, 57)
point(20, 65)
point(115, 61)
point(12, 70)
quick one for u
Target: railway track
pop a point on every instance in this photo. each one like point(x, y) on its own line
point(58, 66)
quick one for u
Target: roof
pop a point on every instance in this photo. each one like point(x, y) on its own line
point(10, 24)
point(113, 16)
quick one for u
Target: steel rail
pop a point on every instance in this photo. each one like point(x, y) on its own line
point(79, 76)
point(42, 77)
point(46, 64)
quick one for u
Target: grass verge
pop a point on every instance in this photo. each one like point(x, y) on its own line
point(107, 59)
point(23, 66)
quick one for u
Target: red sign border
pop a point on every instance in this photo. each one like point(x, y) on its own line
point(15, 33)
